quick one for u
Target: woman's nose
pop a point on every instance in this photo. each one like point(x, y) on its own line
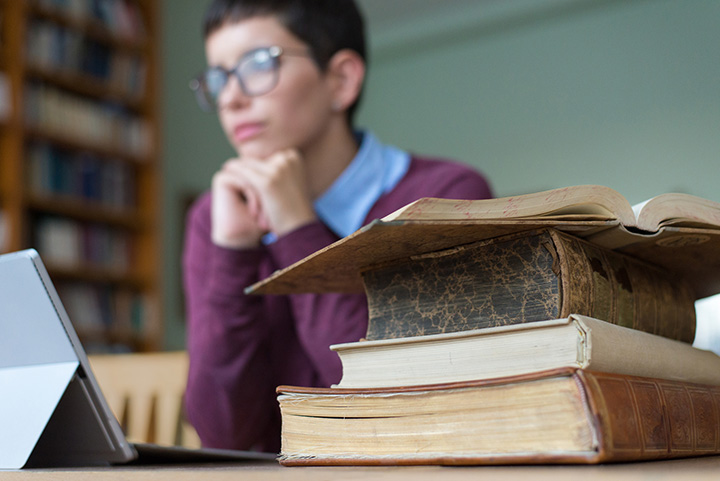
point(232, 94)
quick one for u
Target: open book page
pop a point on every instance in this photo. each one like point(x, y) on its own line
point(678, 210)
point(582, 202)
point(638, 207)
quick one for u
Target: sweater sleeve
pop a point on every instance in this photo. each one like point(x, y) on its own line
point(321, 319)
point(229, 395)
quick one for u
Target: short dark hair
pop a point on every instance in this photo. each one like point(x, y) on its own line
point(326, 26)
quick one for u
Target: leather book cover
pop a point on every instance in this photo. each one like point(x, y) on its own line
point(647, 418)
point(623, 290)
point(524, 277)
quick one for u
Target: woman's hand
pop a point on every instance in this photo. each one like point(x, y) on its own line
point(251, 197)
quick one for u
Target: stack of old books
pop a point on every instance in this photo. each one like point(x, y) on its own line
point(551, 327)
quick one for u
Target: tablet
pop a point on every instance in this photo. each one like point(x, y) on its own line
point(52, 410)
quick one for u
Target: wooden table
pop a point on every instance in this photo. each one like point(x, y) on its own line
point(707, 468)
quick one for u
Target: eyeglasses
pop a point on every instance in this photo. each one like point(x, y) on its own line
point(256, 73)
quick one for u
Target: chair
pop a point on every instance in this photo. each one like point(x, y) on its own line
point(145, 391)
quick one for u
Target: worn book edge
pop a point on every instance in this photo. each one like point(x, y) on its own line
point(580, 201)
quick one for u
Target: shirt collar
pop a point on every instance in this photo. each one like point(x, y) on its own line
point(375, 170)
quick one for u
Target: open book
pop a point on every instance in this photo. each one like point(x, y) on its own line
point(577, 202)
point(678, 232)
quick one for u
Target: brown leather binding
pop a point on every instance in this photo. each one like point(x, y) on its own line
point(524, 277)
point(645, 418)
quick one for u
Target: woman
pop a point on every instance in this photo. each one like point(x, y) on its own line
point(285, 77)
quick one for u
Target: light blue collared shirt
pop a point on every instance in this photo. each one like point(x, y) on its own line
point(375, 170)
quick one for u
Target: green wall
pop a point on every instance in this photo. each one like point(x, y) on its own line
point(193, 145)
point(536, 93)
point(623, 94)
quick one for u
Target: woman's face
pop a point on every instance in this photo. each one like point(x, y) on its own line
point(294, 114)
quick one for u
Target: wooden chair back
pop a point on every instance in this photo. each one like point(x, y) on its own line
point(145, 392)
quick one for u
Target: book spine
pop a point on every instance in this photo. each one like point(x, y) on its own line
point(5, 96)
point(107, 318)
point(71, 244)
point(62, 50)
point(486, 284)
point(103, 181)
point(4, 234)
point(623, 290)
point(77, 119)
point(645, 418)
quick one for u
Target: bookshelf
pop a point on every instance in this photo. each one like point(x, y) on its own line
point(79, 159)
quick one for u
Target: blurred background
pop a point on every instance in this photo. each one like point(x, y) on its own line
point(537, 94)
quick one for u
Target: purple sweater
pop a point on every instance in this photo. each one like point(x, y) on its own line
point(242, 347)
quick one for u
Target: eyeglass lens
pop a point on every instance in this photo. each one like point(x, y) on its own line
point(256, 73)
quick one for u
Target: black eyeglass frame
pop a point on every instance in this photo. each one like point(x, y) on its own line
point(207, 101)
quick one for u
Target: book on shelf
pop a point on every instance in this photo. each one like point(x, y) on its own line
point(68, 243)
point(121, 17)
point(77, 118)
point(5, 95)
point(4, 231)
point(59, 50)
point(556, 416)
point(522, 349)
point(80, 176)
point(687, 244)
point(105, 316)
point(525, 277)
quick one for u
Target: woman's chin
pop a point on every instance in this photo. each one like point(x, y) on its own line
point(258, 150)
point(252, 150)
